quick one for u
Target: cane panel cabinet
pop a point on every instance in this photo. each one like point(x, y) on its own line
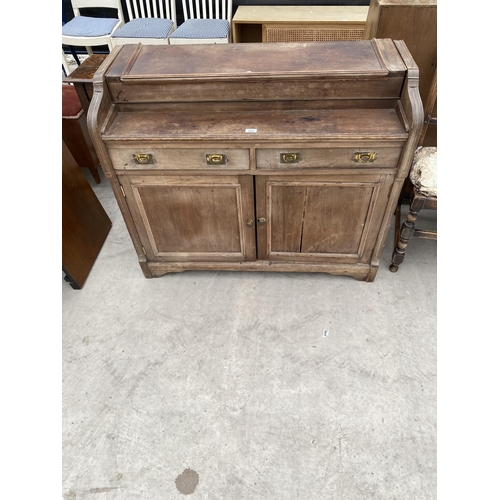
point(300, 23)
point(258, 157)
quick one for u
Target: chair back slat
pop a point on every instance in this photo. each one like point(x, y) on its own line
point(129, 9)
point(209, 9)
point(151, 8)
point(135, 11)
point(169, 6)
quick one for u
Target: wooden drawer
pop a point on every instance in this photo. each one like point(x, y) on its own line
point(278, 159)
point(143, 158)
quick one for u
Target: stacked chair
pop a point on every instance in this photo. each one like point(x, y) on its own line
point(205, 21)
point(89, 31)
point(150, 23)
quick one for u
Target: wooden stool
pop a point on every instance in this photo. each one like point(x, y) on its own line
point(75, 133)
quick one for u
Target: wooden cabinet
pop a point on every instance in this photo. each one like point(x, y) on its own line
point(302, 23)
point(415, 22)
point(258, 157)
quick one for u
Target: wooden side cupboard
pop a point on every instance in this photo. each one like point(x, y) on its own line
point(415, 22)
point(300, 23)
point(258, 157)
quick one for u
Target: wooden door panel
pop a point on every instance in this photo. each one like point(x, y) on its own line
point(334, 218)
point(188, 218)
point(317, 220)
point(200, 212)
point(287, 207)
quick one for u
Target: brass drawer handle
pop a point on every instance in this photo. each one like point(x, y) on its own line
point(289, 157)
point(216, 159)
point(365, 157)
point(261, 220)
point(143, 158)
point(249, 222)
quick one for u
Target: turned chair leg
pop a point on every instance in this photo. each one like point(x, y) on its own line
point(406, 234)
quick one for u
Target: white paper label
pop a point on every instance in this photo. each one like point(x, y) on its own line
point(251, 130)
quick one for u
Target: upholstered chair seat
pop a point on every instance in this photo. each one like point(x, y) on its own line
point(145, 27)
point(423, 173)
point(82, 26)
point(202, 29)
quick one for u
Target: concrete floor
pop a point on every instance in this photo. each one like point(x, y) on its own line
point(229, 386)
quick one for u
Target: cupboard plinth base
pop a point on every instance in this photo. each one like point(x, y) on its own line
point(361, 272)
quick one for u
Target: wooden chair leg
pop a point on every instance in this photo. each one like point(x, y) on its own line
point(397, 225)
point(65, 64)
point(405, 235)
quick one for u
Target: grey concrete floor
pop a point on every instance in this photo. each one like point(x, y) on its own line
point(220, 385)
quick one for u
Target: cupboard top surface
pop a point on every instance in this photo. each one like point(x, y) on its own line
point(372, 58)
point(300, 13)
point(412, 3)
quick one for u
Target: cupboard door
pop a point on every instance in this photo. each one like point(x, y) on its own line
point(320, 219)
point(188, 218)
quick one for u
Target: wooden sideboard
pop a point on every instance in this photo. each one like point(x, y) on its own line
point(302, 23)
point(258, 157)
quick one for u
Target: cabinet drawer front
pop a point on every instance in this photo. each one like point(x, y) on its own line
point(279, 159)
point(142, 158)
